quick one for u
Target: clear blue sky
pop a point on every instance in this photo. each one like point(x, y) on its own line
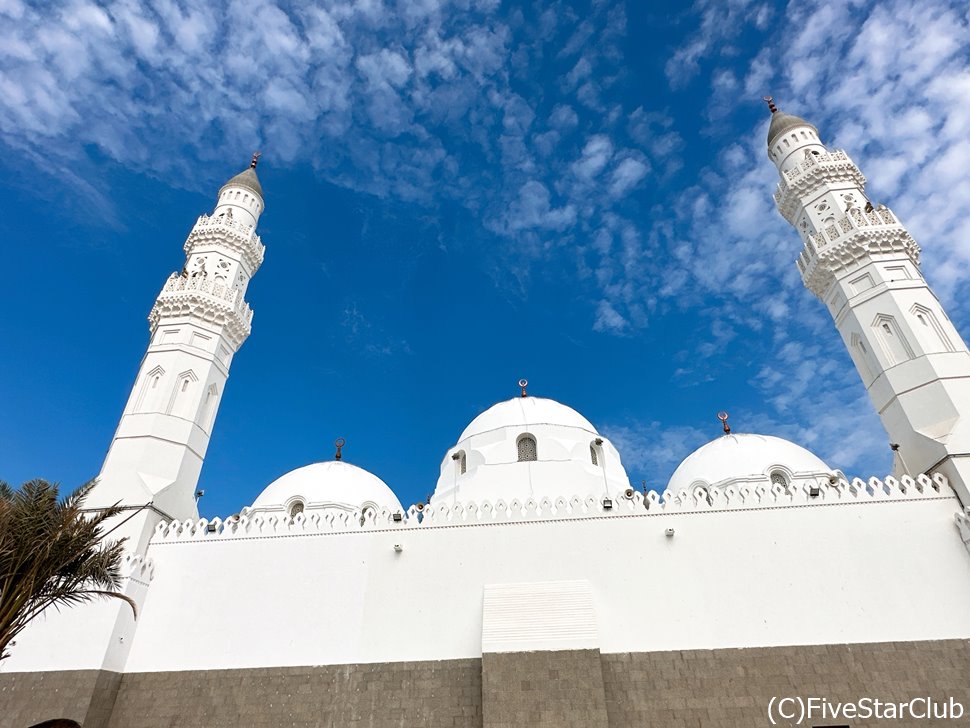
point(459, 195)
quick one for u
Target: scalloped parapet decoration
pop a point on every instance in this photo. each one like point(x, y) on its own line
point(625, 504)
point(811, 174)
point(234, 235)
point(852, 238)
point(962, 519)
point(139, 568)
point(201, 295)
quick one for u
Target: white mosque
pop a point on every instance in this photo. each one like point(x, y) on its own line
point(537, 587)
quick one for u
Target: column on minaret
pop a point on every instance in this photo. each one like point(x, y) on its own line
point(860, 261)
point(198, 322)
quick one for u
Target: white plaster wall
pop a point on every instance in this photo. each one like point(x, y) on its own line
point(865, 572)
point(93, 636)
point(245, 204)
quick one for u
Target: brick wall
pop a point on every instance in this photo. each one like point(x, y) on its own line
point(543, 690)
point(86, 696)
point(433, 694)
point(679, 689)
point(732, 688)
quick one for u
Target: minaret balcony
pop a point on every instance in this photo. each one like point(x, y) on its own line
point(201, 296)
point(855, 237)
point(805, 179)
point(854, 220)
point(235, 236)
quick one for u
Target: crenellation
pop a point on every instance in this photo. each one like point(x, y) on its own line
point(747, 497)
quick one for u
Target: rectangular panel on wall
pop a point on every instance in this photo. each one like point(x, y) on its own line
point(535, 616)
point(862, 283)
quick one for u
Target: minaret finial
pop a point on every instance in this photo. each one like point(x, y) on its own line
point(524, 383)
point(339, 442)
point(256, 156)
point(771, 104)
point(723, 417)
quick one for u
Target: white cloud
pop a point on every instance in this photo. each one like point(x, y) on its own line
point(596, 154)
point(608, 320)
point(627, 175)
point(534, 210)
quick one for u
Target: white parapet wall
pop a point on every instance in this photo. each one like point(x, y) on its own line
point(850, 562)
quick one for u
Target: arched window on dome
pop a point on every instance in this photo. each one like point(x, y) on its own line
point(593, 456)
point(368, 510)
point(296, 508)
point(528, 451)
point(779, 478)
point(461, 462)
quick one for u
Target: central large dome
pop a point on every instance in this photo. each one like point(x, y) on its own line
point(529, 447)
point(524, 412)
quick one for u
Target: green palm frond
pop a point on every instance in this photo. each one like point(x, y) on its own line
point(52, 553)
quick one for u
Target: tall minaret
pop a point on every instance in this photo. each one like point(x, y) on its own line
point(198, 322)
point(864, 266)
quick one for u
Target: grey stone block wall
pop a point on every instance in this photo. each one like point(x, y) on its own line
point(399, 695)
point(582, 688)
point(732, 688)
point(86, 696)
point(543, 690)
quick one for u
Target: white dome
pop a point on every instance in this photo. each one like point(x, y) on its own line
point(744, 458)
point(333, 484)
point(529, 447)
point(523, 412)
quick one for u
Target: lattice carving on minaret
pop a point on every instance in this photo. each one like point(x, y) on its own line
point(234, 236)
point(200, 296)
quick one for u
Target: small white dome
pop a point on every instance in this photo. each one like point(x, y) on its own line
point(333, 484)
point(744, 458)
point(524, 412)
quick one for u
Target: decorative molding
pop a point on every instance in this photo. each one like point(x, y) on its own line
point(199, 296)
point(962, 519)
point(809, 176)
point(138, 568)
point(234, 236)
point(699, 500)
point(819, 267)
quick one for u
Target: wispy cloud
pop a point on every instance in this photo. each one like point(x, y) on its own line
point(421, 102)
point(362, 333)
point(438, 100)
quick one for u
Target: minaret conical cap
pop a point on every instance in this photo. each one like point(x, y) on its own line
point(247, 178)
point(782, 122)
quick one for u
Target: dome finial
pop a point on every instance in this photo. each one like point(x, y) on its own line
point(339, 442)
point(256, 156)
point(771, 104)
point(723, 417)
point(524, 383)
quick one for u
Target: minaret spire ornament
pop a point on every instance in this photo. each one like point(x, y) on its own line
point(524, 383)
point(723, 417)
point(339, 443)
point(771, 104)
point(255, 161)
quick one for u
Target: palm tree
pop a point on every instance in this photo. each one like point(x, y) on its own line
point(52, 553)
